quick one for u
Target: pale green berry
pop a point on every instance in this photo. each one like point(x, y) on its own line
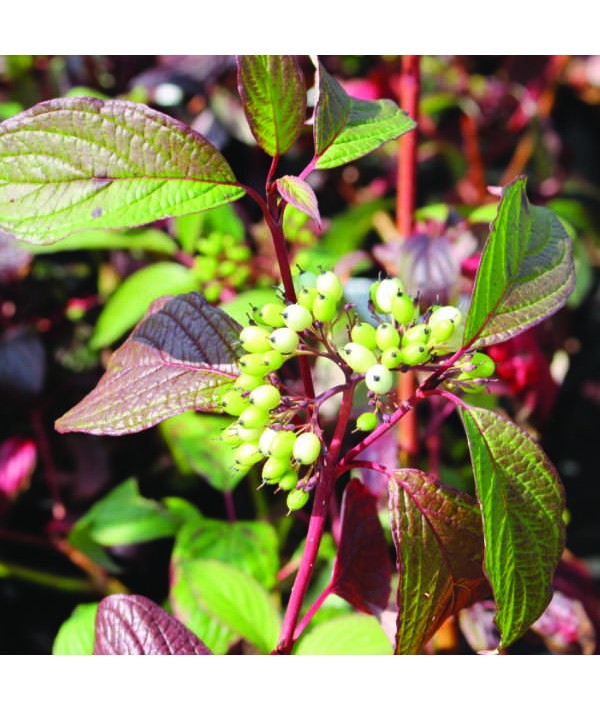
point(329, 284)
point(441, 331)
point(403, 309)
point(366, 422)
point(391, 358)
point(253, 417)
point(446, 313)
point(324, 308)
point(246, 455)
point(282, 445)
point(270, 314)
point(254, 364)
point(364, 333)
point(296, 499)
point(387, 336)
point(419, 333)
point(306, 296)
point(307, 448)
point(306, 279)
point(477, 365)
point(297, 317)
point(273, 469)
point(266, 397)
point(288, 480)
point(284, 340)
point(264, 443)
point(379, 379)
point(245, 382)
point(255, 339)
point(359, 358)
point(231, 436)
point(249, 435)
point(272, 360)
point(384, 291)
point(415, 354)
point(234, 403)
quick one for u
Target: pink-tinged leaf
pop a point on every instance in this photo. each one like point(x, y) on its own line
point(133, 624)
point(181, 356)
point(438, 536)
point(362, 570)
point(14, 260)
point(477, 625)
point(565, 627)
point(17, 462)
point(299, 194)
point(83, 163)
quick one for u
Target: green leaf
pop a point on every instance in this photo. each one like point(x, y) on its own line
point(522, 503)
point(250, 546)
point(124, 517)
point(76, 634)
point(439, 548)
point(299, 194)
point(346, 128)
point(148, 239)
point(83, 163)
point(194, 441)
point(353, 633)
point(274, 97)
point(133, 297)
point(232, 598)
point(526, 271)
point(181, 356)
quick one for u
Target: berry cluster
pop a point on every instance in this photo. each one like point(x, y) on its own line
point(268, 425)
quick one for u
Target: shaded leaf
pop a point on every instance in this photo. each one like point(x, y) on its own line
point(133, 624)
point(439, 547)
point(83, 163)
point(181, 356)
point(251, 546)
point(231, 597)
point(346, 128)
point(274, 98)
point(18, 457)
point(344, 635)
point(362, 571)
point(299, 194)
point(522, 503)
point(526, 271)
point(194, 440)
point(76, 634)
point(133, 297)
point(22, 362)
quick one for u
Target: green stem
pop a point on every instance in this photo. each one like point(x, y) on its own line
point(50, 580)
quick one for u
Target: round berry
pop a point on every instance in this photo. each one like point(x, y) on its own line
point(284, 340)
point(288, 480)
point(403, 309)
point(264, 442)
point(329, 284)
point(391, 358)
point(249, 435)
point(366, 422)
point(282, 445)
point(419, 333)
point(307, 448)
point(266, 397)
point(246, 455)
point(254, 364)
point(379, 379)
point(245, 382)
point(272, 360)
point(364, 333)
point(296, 499)
point(255, 339)
point(306, 296)
point(359, 358)
point(441, 331)
point(306, 279)
point(477, 365)
point(231, 435)
point(415, 354)
point(446, 313)
point(297, 317)
point(384, 291)
point(273, 469)
point(324, 308)
point(270, 315)
point(387, 336)
point(234, 403)
point(253, 417)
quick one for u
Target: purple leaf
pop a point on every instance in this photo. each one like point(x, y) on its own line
point(362, 569)
point(133, 624)
point(181, 356)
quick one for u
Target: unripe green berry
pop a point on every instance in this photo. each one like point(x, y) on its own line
point(272, 360)
point(364, 333)
point(297, 317)
point(253, 417)
point(245, 383)
point(264, 443)
point(231, 436)
point(415, 354)
point(254, 364)
point(273, 469)
point(255, 339)
point(359, 358)
point(391, 358)
point(270, 315)
point(329, 284)
point(387, 336)
point(306, 279)
point(246, 455)
point(296, 499)
point(384, 291)
point(284, 340)
point(379, 379)
point(306, 296)
point(403, 309)
point(234, 403)
point(477, 365)
point(266, 397)
point(441, 331)
point(307, 448)
point(324, 308)
point(288, 480)
point(446, 313)
point(282, 445)
point(249, 435)
point(419, 333)
point(366, 422)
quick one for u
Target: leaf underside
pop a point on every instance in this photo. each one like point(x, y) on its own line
point(522, 503)
point(439, 548)
point(526, 271)
point(181, 356)
point(83, 163)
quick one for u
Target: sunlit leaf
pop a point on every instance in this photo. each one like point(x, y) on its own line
point(76, 634)
point(299, 194)
point(83, 163)
point(346, 634)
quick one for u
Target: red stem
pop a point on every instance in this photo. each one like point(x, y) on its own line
point(302, 625)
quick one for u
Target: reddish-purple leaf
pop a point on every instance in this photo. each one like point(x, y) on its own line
point(362, 569)
point(438, 535)
point(133, 624)
point(181, 356)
